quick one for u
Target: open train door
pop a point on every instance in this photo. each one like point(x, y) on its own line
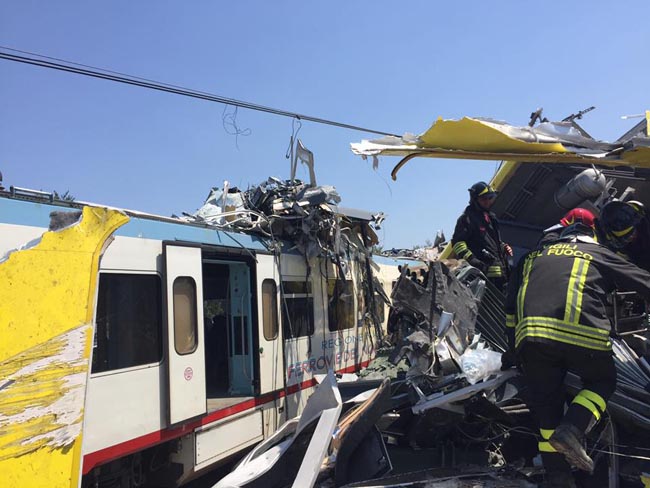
point(185, 351)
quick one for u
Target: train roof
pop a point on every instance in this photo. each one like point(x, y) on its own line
point(35, 209)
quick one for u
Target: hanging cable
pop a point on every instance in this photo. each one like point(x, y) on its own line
point(229, 120)
point(94, 72)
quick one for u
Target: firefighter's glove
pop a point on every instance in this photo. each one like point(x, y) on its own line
point(507, 249)
point(508, 360)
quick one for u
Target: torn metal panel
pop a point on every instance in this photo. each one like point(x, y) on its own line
point(442, 292)
point(51, 287)
point(432, 319)
point(485, 139)
point(349, 442)
point(295, 452)
point(320, 441)
point(306, 215)
point(439, 399)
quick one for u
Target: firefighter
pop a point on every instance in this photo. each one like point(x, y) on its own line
point(476, 238)
point(556, 322)
point(573, 216)
point(625, 229)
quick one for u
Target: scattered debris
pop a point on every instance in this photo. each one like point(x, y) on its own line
point(293, 454)
point(306, 215)
point(434, 409)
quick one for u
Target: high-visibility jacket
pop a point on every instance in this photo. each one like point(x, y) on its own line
point(477, 240)
point(558, 293)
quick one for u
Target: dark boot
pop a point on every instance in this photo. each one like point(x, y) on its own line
point(567, 439)
point(559, 479)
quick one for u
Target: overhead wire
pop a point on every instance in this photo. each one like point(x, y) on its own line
point(59, 64)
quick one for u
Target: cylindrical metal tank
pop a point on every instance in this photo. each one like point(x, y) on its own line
point(588, 184)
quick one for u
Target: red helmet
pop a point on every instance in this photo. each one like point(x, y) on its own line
point(578, 215)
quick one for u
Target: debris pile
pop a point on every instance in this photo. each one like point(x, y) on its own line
point(304, 214)
point(451, 409)
point(435, 410)
point(292, 215)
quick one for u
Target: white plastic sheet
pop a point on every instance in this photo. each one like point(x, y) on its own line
point(479, 364)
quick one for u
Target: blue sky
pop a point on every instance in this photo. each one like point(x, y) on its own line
point(391, 66)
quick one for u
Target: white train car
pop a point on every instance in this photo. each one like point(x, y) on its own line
point(204, 341)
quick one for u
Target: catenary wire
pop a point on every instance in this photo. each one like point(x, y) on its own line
point(93, 72)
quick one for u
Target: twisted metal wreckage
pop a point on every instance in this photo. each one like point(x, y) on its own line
point(308, 217)
point(434, 409)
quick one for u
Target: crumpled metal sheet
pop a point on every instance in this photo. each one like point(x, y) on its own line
point(440, 313)
point(442, 292)
point(486, 139)
point(307, 216)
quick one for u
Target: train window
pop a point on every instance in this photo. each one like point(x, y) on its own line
point(340, 309)
point(128, 328)
point(297, 309)
point(270, 309)
point(185, 322)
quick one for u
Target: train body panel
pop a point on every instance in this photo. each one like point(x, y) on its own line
point(205, 341)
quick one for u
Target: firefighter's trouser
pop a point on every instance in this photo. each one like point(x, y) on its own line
point(545, 366)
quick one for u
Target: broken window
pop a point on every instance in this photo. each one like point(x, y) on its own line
point(128, 328)
point(297, 309)
point(340, 310)
point(270, 309)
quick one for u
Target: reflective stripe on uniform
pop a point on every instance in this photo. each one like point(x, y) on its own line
point(487, 189)
point(546, 433)
point(595, 398)
point(588, 404)
point(619, 233)
point(494, 271)
point(564, 326)
point(553, 335)
point(545, 446)
point(575, 290)
point(592, 401)
point(521, 295)
point(510, 320)
point(461, 250)
point(561, 331)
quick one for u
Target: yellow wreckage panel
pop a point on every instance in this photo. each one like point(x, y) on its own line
point(478, 139)
point(46, 314)
point(470, 134)
point(638, 157)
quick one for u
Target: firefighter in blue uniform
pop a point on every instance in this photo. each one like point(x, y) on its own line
point(476, 237)
point(556, 322)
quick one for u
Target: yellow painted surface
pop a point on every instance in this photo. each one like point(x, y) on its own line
point(476, 139)
point(645, 479)
point(468, 134)
point(502, 177)
point(638, 157)
point(46, 314)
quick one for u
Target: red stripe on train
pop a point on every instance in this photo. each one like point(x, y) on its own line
point(131, 446)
